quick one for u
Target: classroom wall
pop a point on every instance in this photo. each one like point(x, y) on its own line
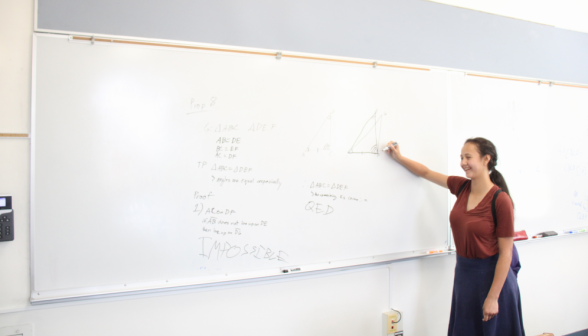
point(408, 31)
point(552, 279)
point(567, 14)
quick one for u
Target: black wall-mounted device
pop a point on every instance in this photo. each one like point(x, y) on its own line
point(6, 219)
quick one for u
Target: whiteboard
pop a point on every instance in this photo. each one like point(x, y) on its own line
point(541, 133)
point(155, 167)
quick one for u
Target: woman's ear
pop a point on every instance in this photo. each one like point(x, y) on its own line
point(486, 159)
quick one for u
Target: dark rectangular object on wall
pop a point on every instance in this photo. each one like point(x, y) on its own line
point(6, 219)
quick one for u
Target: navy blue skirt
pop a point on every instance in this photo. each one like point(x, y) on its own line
point(473, 279)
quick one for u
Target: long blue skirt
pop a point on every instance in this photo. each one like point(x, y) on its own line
point(473, 279)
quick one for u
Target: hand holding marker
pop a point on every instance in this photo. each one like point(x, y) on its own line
point(387, 148)
point(392, 149)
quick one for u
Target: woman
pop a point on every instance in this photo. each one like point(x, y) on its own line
point(486, 298)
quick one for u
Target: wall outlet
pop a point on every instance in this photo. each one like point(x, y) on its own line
point(19, 330)
point(392, 323)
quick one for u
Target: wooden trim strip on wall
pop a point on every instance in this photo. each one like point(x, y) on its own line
point(529, 81)
point(153, 44)
point(571, 85)
point(13, 135)
point(505, 78)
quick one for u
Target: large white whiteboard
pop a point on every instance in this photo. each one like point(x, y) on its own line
point(541, 134)
point(156, 165)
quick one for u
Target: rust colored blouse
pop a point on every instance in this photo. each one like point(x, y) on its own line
point(474, 231)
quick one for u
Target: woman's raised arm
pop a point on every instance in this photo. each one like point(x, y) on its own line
point(415, 167)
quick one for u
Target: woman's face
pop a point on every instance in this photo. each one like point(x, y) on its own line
point(472, 164)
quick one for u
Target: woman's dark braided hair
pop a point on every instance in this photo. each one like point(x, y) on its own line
point(486, 147)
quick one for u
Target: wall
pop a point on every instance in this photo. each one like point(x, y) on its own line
point(16, 21)
point(552, 280)
point(408, 31)
point(567, 14)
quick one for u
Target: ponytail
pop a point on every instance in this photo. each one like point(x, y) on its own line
point(486, 147)
point(497, 179)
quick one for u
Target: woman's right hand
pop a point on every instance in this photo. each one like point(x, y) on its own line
point(394, 150)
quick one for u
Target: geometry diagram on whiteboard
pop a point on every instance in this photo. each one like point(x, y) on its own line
point(321, 141)
point(367, 140)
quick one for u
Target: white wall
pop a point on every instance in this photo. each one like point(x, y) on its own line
point(346, 304)
point(567, 14)
point(424, 32)
point(16, 22)
point(552, 280)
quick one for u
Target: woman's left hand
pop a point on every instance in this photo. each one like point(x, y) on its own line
point(490, 309)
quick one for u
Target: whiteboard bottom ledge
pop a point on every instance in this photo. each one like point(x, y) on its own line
point(217, 280)
point(78, 294)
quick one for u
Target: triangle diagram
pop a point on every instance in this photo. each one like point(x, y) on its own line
point(367, 140)
point(322, 139)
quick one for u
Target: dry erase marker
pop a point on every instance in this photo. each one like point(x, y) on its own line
point(387, 148)
point(545, 234)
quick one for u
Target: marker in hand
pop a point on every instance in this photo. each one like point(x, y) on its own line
point(387, 148)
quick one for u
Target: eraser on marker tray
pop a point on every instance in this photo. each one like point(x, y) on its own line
point(547, 234)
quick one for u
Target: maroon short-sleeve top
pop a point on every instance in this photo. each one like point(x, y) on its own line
point(474, 231)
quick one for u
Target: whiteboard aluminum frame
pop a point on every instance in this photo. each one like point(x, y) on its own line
point(32, 136)
point(55, 296)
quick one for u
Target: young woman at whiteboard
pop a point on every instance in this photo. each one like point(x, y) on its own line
point(486, 299)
